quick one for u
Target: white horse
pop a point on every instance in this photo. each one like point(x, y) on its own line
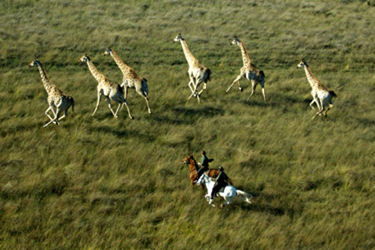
point(228, 194)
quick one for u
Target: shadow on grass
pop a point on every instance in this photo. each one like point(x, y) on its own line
point(260, 207)
point(276, 211)
point(200, 111)
point(276, 100)
point(121, 132)
point(9, 129)
point(185, 115)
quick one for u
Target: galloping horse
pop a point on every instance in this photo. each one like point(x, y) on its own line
point(193, 167)
point(229, 191)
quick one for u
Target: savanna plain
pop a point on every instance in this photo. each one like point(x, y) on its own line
point(96, 182)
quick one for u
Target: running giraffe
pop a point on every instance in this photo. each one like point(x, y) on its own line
point(130, 79)
point(248, 71)
point(107, 88)
point(321, 95)
point(197, 72)
point(56, 98)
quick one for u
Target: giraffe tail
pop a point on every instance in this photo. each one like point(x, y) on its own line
point(72, 101)
point(144, 87)
point(332, 93)
point(261, 73)
point(209, 75)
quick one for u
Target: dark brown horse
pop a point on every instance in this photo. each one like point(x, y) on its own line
point(193, 167)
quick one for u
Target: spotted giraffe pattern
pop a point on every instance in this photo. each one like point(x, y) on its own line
point(248, 71)
point(322, 96)
point(58, 102)
point(130, 78)
point(197, 72)
point(110, 90)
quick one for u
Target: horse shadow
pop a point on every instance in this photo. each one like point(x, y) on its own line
point(259, 207)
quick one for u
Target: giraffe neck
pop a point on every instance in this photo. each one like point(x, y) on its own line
point(310, 77)
point(192, 61)
point(95, 72)
point(123, 66)
point(245, 56)
point(48, 85)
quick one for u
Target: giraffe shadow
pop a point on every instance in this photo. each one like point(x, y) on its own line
point(186, 115)
point(121, 133)
point(206, 111)
point(21, 127)
point(275, 100)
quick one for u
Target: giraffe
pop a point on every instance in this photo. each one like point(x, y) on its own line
point(248, 71)
point(110, 90)
point(197, 72)
point(130, 78)
point(58, 102)
point(321, 95)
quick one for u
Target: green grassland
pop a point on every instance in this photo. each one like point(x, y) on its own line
point(104, 183)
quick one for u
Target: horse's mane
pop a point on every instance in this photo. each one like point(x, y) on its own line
point(195, 163)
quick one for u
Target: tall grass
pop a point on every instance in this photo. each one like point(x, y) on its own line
point(104, 183)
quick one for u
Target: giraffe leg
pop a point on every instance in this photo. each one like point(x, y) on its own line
point(97, 104)
point(312, 103)
point(254, 85)
point(195, 94)
point(263, 90)
point(110, 107)
point(55, 120)
point(48, 123)
point(204, 87)
point(321, 109)
point(126, 91)
point(148, 105)
point(58, 112)
point(330, 105)
point(144, 95)
point(127, 107)
point(50, 108)
point(235, 80)
point(118, 109)
point(65, 114)
point(192, 89)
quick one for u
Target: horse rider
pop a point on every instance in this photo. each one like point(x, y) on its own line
point(220, 182)
point(204, 164)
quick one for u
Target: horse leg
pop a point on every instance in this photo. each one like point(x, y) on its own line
point(227, 202)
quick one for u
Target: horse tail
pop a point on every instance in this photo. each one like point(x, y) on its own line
point(261, 73)
point(246, 197)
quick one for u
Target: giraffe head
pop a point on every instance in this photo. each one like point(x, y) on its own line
point(301, 64)
point(235, 41)
point(84, 58)
point(107, 52)
point(34, 63)
point(178, 38)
